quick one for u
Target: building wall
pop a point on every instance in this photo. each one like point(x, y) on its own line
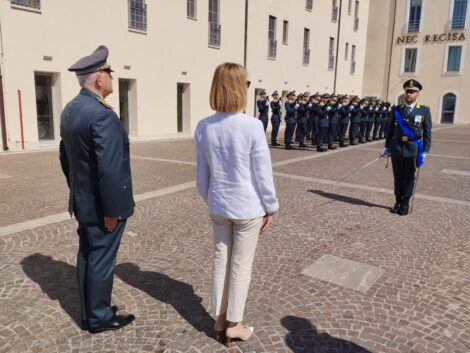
point(431, 70)
point(173, 49)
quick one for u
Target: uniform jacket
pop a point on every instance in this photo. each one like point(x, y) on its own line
point(333, 113)
point(365, 114)
point(419, 121)
point(343, 114)
point(276, 109)
point(263, 108)
point(290, 111)
point(356, 114)
point(302, 113)
point(94, 156)
point(322, 115)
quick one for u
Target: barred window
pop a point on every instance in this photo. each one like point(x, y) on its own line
point(191, 9)
point(454, 58)
point(272, 42)
point(309, 5)
point(29, 3)
point(285, 32)
point(306, 48)
point(215, 29)
point(459, 14)
point(138, 15)
point(411, 55)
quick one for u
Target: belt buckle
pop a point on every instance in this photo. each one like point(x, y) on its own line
point(404, 138)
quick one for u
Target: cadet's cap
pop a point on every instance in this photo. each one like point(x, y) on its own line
point(94, 62)
point(275, 93)
point(306, 94)
point(333, 95)
point(263, 91)
point(326, 95)
point(317, 94)
point(363, 100)
point(291, 93)
point(412, 85)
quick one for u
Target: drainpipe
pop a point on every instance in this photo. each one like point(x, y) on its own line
point(3, 125)
point(391, 51)
point(246, 35)
point(337, 45)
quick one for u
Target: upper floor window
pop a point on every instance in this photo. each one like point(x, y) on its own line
point(285, 32)
point(353, 59)
point(191, 9)
point(414, 17)
point(334, 11)
point(356, 16)
point(138, 15)
point(411, 57)
point(454, 57)
point(346, 51)
point(215, 28)
point(349, 6)
point(309, 5)
point(36, 4)
point(331, 54)
point(459, 14)
point(306, 48)
point(272, 42)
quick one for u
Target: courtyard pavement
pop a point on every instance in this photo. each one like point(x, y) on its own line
point(336, 272)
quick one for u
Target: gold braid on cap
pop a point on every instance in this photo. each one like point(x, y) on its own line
point(104, 67)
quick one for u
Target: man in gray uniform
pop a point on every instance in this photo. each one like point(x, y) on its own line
point(94, 155)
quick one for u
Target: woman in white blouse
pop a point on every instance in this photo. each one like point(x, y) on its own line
point(234, 176)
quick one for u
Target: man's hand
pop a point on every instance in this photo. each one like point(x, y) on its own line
point(267, 220)
point(110, 223)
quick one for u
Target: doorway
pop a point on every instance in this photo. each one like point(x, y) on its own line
point(182, 107)
point(44, 106)
point(448, 108)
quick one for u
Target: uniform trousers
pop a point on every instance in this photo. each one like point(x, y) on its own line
point(289, 132)
point(342, 132)
point(234, 249)
point(264, 119)
point(96, 260)
point(354, 131)
point(275, 122)
point(404, 175)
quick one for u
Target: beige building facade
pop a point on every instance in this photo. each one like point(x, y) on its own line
point(425, 40)
point(164, 54)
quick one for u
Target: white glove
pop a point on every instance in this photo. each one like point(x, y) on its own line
point(351, 107)
point(377, 109)
point(424, 155)
point(309, 105)
point(267, 103)
point(328, 108)
point(339, 105)
point(386, 152)
point(297, 105)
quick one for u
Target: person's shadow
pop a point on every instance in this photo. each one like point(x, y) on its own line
point(345, 199)
point(57, 279)
point(303, 337)
point(178, 294)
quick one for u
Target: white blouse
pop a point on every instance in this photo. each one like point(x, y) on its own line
point(234, 172)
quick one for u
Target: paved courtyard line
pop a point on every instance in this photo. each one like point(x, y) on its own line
point(450, 141)
point(162, 160)
point(3, 176)
point(429, 155)
point(64, 216)
point(372, 188)
point(456, 172)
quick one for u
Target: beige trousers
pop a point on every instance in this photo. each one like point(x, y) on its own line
point(234, 249)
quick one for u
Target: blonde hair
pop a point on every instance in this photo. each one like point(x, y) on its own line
point(228, 90)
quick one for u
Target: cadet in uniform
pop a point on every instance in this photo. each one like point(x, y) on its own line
point(291, 108)
point(364, 119)
point(377, 119)
point(94, 156)
point(371, 120)
point(355, 109)
point(322, 116)
point(408, 142)
point(302, 112)
point(343, 114)
point(313, 116)
point(332, 109)
point(263, 108)
point(275, 117)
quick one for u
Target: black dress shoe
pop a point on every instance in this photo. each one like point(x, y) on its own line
point(84, 323)
point(331, 147)
point(321, 149)
point(275, 144)
point(342, 145)
point(289, 147)
point(403, 211)
point(395, 208)
point(302, 145)
point(115, 323)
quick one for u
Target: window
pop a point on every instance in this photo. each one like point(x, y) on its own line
point(414, 18)
point(138, 15)
point(453, 58)
point(214, 26)
point(44, 108)
point(334, 11)
point(29, 3)
point(285, 32)
point(346, 52)
point(272, 42)
point(331, 54)
point(191, 9)
point(411, 55)
point(356, 16)
point(353, 59)
point(459, 14)
point(448, 108)
point(309, 5)
point(306, 50)
point(349, 6)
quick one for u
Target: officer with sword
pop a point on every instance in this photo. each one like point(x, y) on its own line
point(408, 141)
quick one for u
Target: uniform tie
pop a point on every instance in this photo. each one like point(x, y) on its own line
point(409, 108)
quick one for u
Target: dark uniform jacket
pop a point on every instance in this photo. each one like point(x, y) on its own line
point(355, 113)
point(343, 114)
point(94, 155)
point(419, 121)
point(290, 111)
point(332, 113)
point(263, 108)
point(276, 109)
point(302, 112)
point(322, 114)
point(365, 114)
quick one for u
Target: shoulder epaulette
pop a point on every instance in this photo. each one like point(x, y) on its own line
point(102, 101)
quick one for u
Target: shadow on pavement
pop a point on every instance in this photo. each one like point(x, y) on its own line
point(178, 294)
point(346, 199)
point(57, 279)
point(303, 337)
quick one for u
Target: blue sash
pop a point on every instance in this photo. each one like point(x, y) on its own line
point(411, 134)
